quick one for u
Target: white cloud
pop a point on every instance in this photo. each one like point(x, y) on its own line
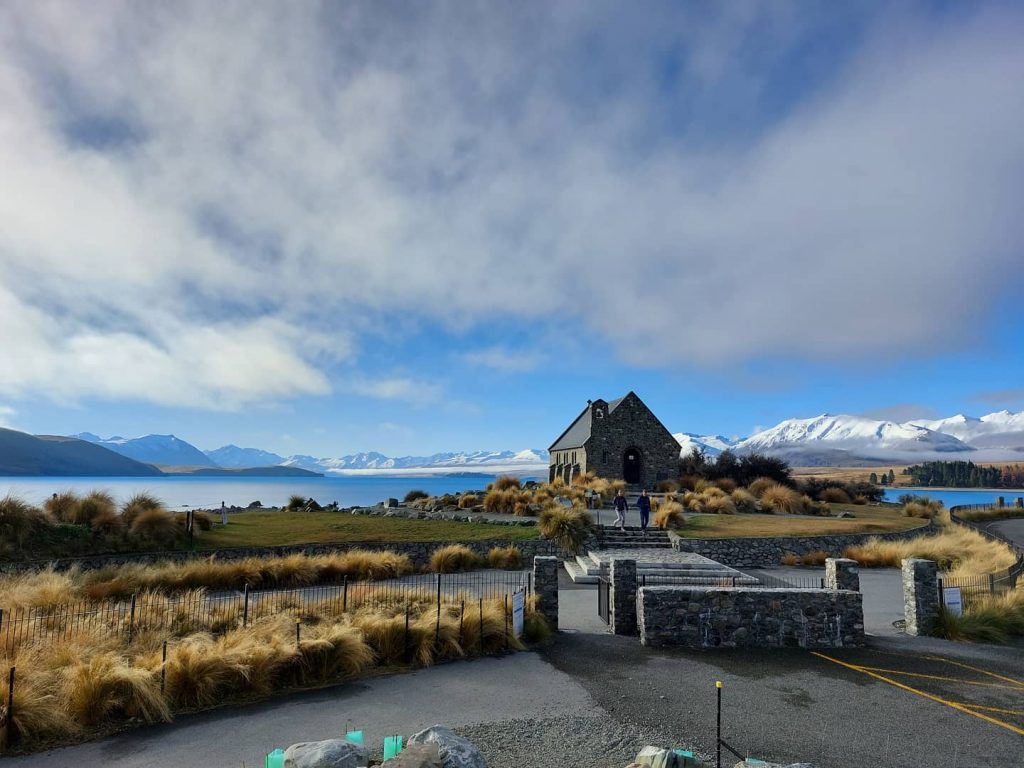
point(284, 176)
point(504, 359)
point(6, 415)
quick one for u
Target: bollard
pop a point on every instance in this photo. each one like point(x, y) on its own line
point(298, 625)
point(163, 670)
point(718, 740)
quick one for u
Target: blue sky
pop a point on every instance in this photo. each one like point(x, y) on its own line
point(330, 227)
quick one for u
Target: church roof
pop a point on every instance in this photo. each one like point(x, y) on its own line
point(579, 431)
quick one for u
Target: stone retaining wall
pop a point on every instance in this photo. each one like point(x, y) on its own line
point(768, 552)
point(739, 617)
point(418, 551)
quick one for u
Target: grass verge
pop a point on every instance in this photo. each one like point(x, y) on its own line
point(868, 519)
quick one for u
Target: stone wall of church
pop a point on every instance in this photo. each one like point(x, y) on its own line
point(632, 425)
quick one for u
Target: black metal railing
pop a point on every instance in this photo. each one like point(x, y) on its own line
point(739, 580)
point(604, 587)
point(199, 610)
point(990, 583)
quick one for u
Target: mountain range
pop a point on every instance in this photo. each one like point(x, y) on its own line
point(825, 440)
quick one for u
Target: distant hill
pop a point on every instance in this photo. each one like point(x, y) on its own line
point(154, 449)
point(23, 454)
point(250, 472)
point(233, 456)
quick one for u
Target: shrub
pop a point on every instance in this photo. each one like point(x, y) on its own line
point(155, 526)
point(18, 520)
point(720, 505)
point(694, 502)
point(202, 520)
point(781, 500)
point(295, 503)
point(335, 653)
point(790, 559)
point(501, 501)
point(505, 483)
point(744, 501)
point(93, 504)
point(584, 479)
point(414, 494)
point(960, 550)
point(922, 507)
point(505, 558)
point(834, 496)
point(667, 486)
point(38, 714)
point(62, 506)
point(817, 558)
point(107, 521)
point(449, 500)
point(536, 629)
point(669, 516)
point(860, 499)
point(727, 484)
point(988, 619)
point(568, 527)
point(200, 674)
point(140, 502)
point(454, 558)
point(468, 501)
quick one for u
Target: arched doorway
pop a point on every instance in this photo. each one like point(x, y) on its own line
point(632, 466)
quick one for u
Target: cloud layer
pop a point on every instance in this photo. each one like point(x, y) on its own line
point(209, 205)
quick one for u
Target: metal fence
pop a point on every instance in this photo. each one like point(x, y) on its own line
point(740, 581)
point(604, 587)
point(991, 583)
point(198, 610)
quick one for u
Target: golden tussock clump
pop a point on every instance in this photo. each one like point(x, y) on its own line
point(760, 485)
point(834, 496)
point(454, 558)
point(566, 526)
point(726, 484)
point(19, 520)
point(720, 505)
point(504, 483)
point(959, 551)
point(781, 500)
point(505, 558)
point(669, 515)
point(744, 501)
point(62, 506)
point(468, 501)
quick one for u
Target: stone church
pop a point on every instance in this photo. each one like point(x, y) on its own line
point(617, 439)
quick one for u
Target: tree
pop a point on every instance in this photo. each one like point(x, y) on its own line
point(892, 477)
point(873, 479)
point(885, 479)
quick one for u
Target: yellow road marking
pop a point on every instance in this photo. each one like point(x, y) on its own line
point(996, 709)
point(947, 702)
point(1018, 683)
point(961, 680)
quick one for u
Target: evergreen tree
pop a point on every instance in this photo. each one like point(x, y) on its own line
point(873, 479)
point(892, 477)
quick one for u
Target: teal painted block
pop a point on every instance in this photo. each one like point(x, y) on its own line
point(275, 759)
point(392, 746)
point(355, 737)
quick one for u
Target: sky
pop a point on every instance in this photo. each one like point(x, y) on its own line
point(326, 228)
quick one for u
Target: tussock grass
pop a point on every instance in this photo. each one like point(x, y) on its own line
point(720, 505)
point(669, 515)
point(958, 550)
point(566, 526)
point(995, 513)
point(295, 503)
point(726, 484)
point(91, 505)
point(505, 558)
point(744, 501)
point(507, 501)
point(505, 483)
point(468, 501)
point(922, 507)
point(667, 486)
point(988, 619)
point(19, 520)
point(454, 558)
point(62, 506)
point(414, 494)
point(140, 502)
point(106, 687)
point(760, 485)
point(155, 526)
point(779, 499)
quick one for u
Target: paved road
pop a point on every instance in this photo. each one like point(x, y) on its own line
point(1011, 529)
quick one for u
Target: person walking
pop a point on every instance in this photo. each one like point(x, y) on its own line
point(643, 503)
point(621, 505)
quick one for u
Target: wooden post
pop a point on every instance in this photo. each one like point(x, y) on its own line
point(163, 670)
point(131, 619)
point(245, 607)
point(9, 725)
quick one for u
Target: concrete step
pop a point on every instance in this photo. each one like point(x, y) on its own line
point(578, 574)
point(587, 564)
point(636, 545)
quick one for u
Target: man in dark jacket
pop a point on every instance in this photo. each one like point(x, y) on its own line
point(621, 505)
point(643, 503)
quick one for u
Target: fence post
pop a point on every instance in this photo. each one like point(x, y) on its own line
point(718, 741)
point(298, 625)
point(406, 654)
point(437, 625)
point(344, 595)
point(504, 615)
point(163, 670)
point(131, 619)
point(462, 618)
point(245, 607)
point(9, 724)
point(481, 626)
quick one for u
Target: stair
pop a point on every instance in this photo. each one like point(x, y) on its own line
point(655, 559)
point(633, 538)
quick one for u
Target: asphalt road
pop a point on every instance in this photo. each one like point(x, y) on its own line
point(1012, 529)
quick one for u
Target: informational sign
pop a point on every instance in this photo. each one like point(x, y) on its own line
point(518, 608)
point(953, 601)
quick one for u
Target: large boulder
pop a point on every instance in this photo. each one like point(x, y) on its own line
point(416, 756)
point(456, 752)
point(332, 753)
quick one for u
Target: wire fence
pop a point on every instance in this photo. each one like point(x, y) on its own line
point(739, 580)
point(198, 610)
point(998, 582)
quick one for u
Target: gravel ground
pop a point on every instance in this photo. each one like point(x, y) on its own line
point(595, 741)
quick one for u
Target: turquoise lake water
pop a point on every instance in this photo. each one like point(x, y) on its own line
point(963, 496)
point(209, 492)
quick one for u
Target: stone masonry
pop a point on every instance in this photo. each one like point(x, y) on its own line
point(726, 617)
point(841, 573)
point(920, 595)
point(622, 597)
point(768, 552)
point(545, 587)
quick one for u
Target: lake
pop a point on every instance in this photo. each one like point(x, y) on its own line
point(183, 492)
point(950, 498)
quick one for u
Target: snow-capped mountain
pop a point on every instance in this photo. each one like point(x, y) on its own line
point(1002, 429)
point(530, 459)
point(712, 445)
point(153, 449)
point(234, 457)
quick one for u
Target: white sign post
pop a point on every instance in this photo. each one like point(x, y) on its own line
point(953, 600)
point(518, 607)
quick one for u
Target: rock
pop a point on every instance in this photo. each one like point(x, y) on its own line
point(255, 505)
point(844, 513)
point(416, 756)
point(393, 503)
point(456, 752)
point(332, 753)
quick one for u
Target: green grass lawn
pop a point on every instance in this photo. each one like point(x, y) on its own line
point(869, 519)
point(278, 527)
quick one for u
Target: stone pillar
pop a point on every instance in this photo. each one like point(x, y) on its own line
point(841, 573)
point(545, 587)
point(622, 598)
point(920, 595)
